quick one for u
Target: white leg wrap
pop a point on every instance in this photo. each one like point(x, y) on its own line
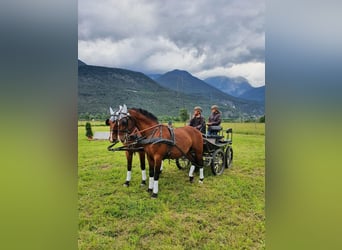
point(201, 173)
point(129, 175)
point(191, 172)
point(150, 183)
point(155, 187)
point(143, 175)
point(161, 166)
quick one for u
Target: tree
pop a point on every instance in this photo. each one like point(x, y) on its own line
point(89, 132)
point(183, 114)
point(262, 119)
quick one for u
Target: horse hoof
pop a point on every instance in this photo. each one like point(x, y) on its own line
point(191, 179)
point(154, 196)
point(150, 190)
point(143, 183)
point(200, 181)
point(126, 184)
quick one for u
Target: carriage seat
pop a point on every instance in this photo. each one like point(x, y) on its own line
point(215, 128)
point(213, 136)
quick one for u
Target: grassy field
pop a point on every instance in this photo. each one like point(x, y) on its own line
point(226, 212)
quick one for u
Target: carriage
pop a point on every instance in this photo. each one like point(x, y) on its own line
point(217, 151)
point(140, 131)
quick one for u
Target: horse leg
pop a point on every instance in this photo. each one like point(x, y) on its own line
point(157, 165)
point(151, 173)
point(129, 157)
point(192, 168)
point(201, 175)
point(143, 168)
point(191, 173)
point(199, 160)
point(199, 163)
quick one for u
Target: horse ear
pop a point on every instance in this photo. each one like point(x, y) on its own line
point(111, 111)
point(124, 109)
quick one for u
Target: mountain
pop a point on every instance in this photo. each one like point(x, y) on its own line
point(232, 86)
point(256, 94)
point(183, 81)
point(80, 63)
point(153, 76)
point(102, 87)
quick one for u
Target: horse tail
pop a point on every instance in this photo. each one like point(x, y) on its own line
point(197, 148)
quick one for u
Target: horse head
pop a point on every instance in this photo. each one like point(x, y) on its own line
point(112, 123)
point(121, 125)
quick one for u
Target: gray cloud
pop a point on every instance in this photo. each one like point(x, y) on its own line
point(158, 36)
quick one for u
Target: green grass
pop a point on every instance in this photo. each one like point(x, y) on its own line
point(238, 128)
point(226, 212)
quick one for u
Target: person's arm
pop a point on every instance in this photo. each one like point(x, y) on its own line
point(217, 120)
point(191, 123)
point(200, 125)
point(209, 121)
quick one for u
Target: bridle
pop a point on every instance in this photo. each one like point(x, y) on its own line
point(126, 125)
point(123, 124)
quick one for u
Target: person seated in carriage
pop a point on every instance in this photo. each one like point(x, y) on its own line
point(198, 120)
point(214, 120)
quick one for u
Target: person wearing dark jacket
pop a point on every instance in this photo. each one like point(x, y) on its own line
point(214, 119)
point(198, 120)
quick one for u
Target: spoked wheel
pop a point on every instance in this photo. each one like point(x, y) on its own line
point(183, 163)
point(229, 157)
point(217, 163)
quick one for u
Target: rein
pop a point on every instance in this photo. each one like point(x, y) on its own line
point(159, 139)
point(144, 140)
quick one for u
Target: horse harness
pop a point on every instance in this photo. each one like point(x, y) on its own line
point(139, 141)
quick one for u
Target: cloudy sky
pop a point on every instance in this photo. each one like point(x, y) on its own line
point(205, 37)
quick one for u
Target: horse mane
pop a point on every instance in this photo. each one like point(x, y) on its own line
point(146, 113)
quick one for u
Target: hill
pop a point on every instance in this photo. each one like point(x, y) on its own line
point(232, 86)
point(102, 87)
point(257, 94)
point(183, 81)
point(154, 76)
point(80, 63)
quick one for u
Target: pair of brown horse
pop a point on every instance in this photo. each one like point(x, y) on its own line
point(138, 127)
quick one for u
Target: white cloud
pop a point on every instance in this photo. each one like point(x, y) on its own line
point(254, 72)
point(154, 55)
point(201, 36)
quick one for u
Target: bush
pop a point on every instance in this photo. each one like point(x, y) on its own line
point(89, 132)
point(183, 114)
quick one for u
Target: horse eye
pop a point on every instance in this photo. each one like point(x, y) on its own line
point(124, 122)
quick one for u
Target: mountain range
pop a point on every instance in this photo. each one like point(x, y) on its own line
point(238, 87)
point(257, 94)
point(183, 81)
point(232, 86)
point(102, 87)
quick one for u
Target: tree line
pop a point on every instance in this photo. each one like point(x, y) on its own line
point(183, 116)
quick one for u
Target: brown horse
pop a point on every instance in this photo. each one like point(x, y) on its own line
point(160, 142)
point(113, 137)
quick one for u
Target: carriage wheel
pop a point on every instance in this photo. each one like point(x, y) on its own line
point(229, 157)
point(217, 163)
point(183, 163)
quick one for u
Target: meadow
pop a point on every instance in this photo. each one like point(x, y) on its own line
point(225, 212)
